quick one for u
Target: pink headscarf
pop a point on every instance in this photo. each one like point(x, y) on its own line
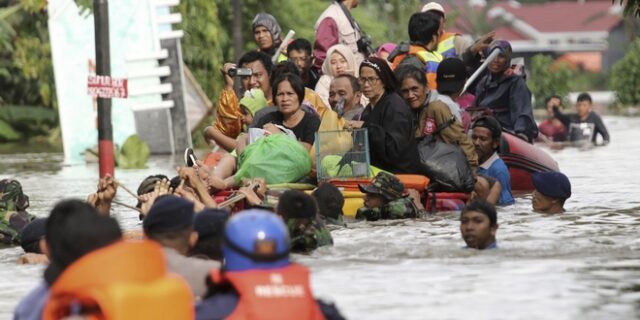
point(387, 47)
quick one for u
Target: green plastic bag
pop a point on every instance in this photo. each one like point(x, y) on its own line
point(276, 158)
point(133, 154)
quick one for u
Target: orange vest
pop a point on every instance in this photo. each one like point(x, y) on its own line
point(125, 280)
point(431, 60)
point(277, 294)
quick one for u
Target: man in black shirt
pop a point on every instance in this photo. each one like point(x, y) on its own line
point(584, 122)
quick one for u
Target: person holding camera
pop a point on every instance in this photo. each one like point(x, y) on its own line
point(254, 73)
point(336, 26)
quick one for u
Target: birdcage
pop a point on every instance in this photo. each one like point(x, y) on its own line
point(342, 154)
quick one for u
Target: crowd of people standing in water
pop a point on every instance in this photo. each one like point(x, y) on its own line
point(237, 264)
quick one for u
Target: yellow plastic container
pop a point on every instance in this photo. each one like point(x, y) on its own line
point(353, 200)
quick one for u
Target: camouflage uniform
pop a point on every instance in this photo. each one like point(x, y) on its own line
point(13, 217)
point(398, 206)
point(402, 208)
point(306, 237)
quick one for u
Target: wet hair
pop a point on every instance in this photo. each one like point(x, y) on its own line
point(74, 228)
point(31, 234)
point(383, 71)
point(555, 96)
point(300, 45)
point(281, 69)
point(148, 184)
point(296, 84)
point(423, 26)
point(252, 56)
point(484, 207)
point(329, 199)
point(584, 97)
point(295, 204)
point(355, 84)
point(405, 71)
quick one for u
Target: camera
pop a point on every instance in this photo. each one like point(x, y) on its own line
point(365, 45)
point(241, 72)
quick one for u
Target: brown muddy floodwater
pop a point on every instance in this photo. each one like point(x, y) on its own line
point(584, 264)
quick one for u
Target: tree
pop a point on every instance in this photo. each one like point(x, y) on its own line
point(26, 72)
point(625, 76)
point(631, 7)
point(548, 78)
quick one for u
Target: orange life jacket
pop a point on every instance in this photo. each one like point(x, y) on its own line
point(278, 294)
point(125, 280)
point(430, 59)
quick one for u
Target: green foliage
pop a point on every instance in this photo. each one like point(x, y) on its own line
point(133, 154)
point(631, 7)
point(548, 78)
point(625, 76)
point(7, 133)
point(204, 43)
point(22, 122)
point(26, 72)
point(589, 81)
point(24, 114)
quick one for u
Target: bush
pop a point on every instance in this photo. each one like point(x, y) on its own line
point(548, 78)
point(625, 76)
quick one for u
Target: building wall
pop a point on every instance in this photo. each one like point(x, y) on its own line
point(618, 42)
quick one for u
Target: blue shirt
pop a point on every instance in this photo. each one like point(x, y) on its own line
point(31, 306)
point(494, 167)
point(493, 245)
point(216, 307)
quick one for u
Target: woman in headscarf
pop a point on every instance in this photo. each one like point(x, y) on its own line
point(266, 33)
point(385, 50)
point(388, 119)
point(506, 94)
point(340, 60)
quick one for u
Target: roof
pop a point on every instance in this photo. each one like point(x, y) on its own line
point(566, 16)
point(547, 17)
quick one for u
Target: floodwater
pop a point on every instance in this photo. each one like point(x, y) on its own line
point(583, 264)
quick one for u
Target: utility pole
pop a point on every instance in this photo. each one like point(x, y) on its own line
point(103, 68)
point(237, 30)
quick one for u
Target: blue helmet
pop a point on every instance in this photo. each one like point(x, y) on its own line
point(255, 239)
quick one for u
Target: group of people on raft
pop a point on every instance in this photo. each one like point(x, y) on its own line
point(238, 265)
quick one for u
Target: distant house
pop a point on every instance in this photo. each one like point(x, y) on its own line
point(588, 34)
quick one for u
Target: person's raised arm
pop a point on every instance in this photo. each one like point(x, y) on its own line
point(102, 198)
point(221, 140)
point(565, 119)
point(192, 180)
